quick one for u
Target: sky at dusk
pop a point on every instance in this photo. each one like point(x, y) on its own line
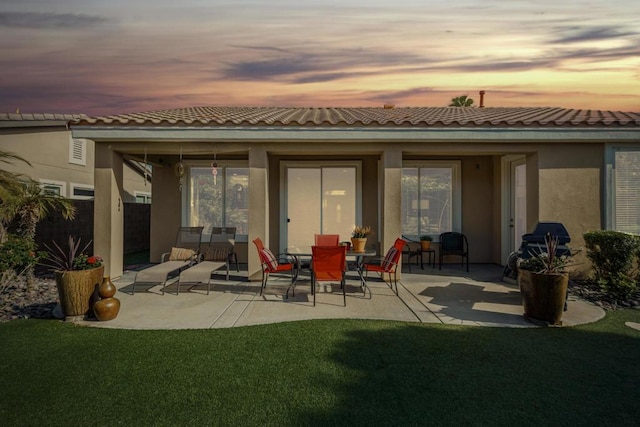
point(112, 57)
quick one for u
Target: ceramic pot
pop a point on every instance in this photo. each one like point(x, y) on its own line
point(75, 289)
point(358, 243)
point(107, 308)
point(543, 295)
point(106, 289)
point(425, 244)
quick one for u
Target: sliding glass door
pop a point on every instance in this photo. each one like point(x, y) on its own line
point(321, 199)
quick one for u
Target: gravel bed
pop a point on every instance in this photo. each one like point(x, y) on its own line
point(18, 302)
point(588, 292)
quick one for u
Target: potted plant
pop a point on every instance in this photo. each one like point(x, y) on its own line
point(425, 242)
point(359, 235)
point(543, 282)
point(77, 275)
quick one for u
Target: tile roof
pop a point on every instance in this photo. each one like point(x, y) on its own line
point(371, 117)
point(32, 117)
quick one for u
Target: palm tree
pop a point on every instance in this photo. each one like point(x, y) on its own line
point(9, 183)
point(461, 101)
point(28, 204)
point(24, 200)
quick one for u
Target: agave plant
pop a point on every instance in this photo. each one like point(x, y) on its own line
point(547, 261)
point(71, 259)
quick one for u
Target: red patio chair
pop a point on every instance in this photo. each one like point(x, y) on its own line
point(327, 239)
point(388, 264)
point(328, 264)
point(271, 264)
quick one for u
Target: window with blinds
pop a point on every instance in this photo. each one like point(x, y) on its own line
point(627, 191)
point(78, 151)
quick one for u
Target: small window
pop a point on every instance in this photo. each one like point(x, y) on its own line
point(143, 198)
point(82, 192)
point(54, 188)
point(78, 151)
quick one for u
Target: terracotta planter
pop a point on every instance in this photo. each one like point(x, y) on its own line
point(358, 243)
point(543, 295)
point(76, 290)
point(425, 244)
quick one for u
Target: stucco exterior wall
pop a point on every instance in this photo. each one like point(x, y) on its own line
point(47, 149)
point(496, 207)
point(478, 209)
point(570, 190)
point(48, 152)
point(166, 212)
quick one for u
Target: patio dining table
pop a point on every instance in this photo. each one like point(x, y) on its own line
point(298, 252)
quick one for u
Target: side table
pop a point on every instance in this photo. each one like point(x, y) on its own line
point(431, 253)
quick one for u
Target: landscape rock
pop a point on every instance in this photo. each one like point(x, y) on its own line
point(18, 302)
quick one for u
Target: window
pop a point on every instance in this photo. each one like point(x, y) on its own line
point(627, 197)
point(143, 197)
point(54, 188)
point(219, 202)
point(430, 198)
point(78, 151)
point(79, 191)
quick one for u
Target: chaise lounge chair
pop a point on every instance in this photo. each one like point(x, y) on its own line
point(183, 255)
point(219, 253)
point(201, 273)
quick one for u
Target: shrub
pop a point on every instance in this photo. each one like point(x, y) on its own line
point(17, 254)
point(612, 254)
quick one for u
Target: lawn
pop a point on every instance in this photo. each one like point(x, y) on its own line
point(328, 372)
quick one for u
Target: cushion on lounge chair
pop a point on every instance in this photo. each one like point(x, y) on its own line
point(181, 254)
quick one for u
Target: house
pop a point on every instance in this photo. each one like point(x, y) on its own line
point(283, 174)
point(61, 163)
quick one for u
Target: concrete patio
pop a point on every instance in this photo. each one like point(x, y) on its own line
point(450, 296)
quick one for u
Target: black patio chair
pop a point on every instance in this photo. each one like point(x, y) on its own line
point(453, 243)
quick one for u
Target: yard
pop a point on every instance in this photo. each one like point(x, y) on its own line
point(321, 372)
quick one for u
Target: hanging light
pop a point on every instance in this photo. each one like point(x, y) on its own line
point(214, 169)
point(178, 168)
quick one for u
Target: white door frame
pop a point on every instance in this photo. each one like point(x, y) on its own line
point(508, 244)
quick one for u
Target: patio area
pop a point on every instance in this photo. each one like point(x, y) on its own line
point(451, 296)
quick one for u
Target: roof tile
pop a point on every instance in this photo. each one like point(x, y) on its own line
point(454, 117)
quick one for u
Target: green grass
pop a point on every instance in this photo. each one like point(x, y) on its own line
point(328, 372)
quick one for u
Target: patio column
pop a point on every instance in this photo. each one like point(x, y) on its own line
point(391, 198)
point(108, 209)
point(258, 207)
